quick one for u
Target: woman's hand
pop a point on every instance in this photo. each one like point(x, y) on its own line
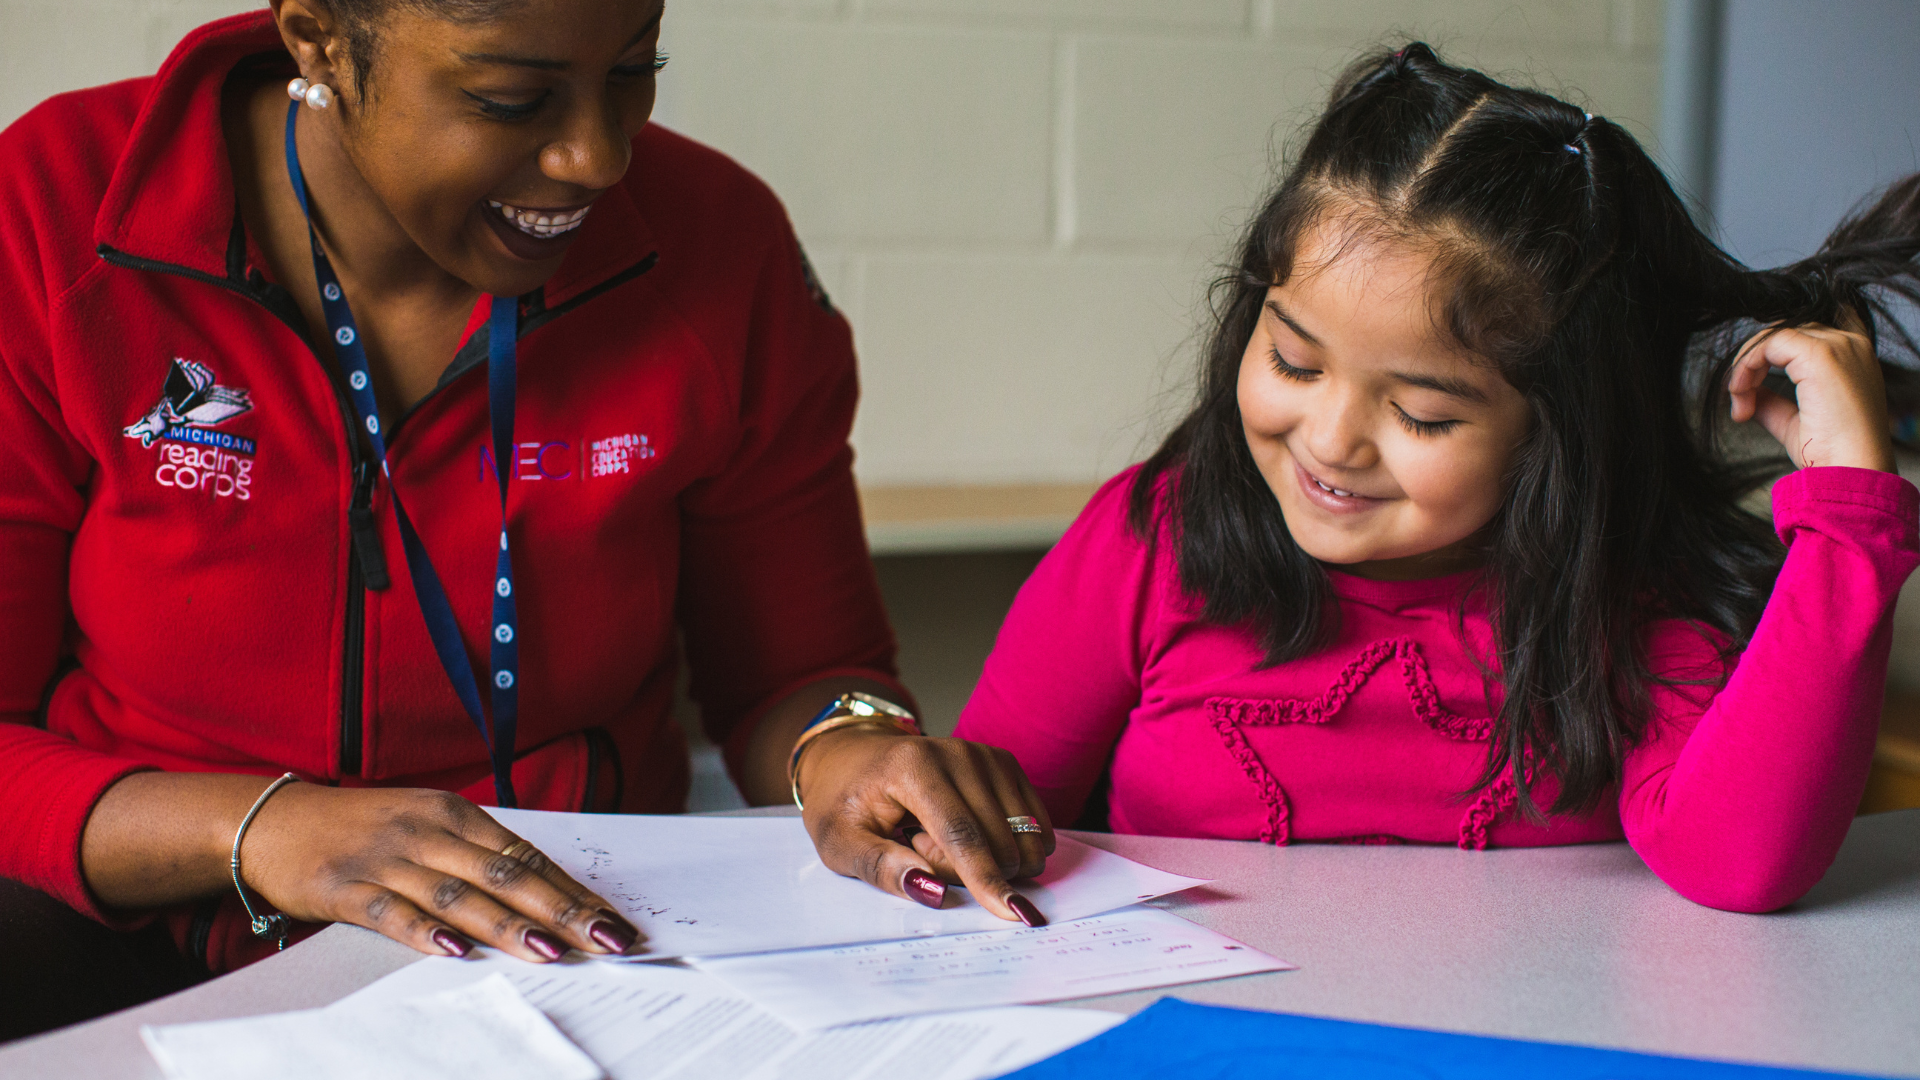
point(1841, 414)
point(416, 865)
point(864, 787)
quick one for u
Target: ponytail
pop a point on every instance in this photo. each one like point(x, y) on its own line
point(1865, 276)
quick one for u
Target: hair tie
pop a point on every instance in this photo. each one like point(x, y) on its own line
point(1584, 124)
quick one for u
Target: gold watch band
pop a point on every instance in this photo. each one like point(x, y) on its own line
point(847, 710)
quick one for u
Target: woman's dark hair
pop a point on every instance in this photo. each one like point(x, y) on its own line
point(1564, 259)
point(359, 19)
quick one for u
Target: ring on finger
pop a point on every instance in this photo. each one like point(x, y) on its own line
point(517, 849)
point(1024, 824)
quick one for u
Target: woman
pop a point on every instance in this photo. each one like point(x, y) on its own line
point(265, 513)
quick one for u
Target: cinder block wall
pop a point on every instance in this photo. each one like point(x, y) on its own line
point(1017, 202)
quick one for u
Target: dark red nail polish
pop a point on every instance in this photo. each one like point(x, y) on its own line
point(621, 920)
point(545, 944)
point(453, 943)
point(925, 888)
point(611, 936)
point(1024, 908)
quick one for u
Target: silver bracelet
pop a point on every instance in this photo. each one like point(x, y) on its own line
point(274, 925)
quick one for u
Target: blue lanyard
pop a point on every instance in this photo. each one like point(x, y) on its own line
point(503, 330)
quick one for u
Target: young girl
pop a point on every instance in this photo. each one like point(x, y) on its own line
point(1441, 555)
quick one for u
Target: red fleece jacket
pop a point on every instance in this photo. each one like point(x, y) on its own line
point(182, 584)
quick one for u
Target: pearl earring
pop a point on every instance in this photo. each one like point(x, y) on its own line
point(316, 95)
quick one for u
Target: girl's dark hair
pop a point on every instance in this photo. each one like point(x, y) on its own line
point(359, 19)
point(1564, 259)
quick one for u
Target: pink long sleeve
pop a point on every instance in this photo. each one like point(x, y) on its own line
point(1738, 797)
point(1066, 670)
point(1743, 805)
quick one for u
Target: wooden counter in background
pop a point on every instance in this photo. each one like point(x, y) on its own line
point(920, 520)
point(1895, 781)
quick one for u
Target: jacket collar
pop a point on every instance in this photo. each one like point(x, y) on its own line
point(172, 200)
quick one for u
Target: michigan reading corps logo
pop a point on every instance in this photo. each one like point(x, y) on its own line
point(192, 456)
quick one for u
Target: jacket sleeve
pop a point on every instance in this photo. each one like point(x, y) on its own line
point(48, 784)
point(1740, 799)
point(776, 588)
point(1064, 674)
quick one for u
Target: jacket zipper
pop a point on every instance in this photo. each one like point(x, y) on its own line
point(366, 570)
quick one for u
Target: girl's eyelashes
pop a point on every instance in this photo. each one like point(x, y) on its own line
point(1288, 371)
point(1411, 423)
point(505, 110)
point(1423, 427)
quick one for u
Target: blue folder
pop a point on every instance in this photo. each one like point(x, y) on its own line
point(1175, 1040)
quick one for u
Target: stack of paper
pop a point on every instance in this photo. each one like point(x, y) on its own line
point(720, 886)
point(801, 973)
point(1133, 949)
point(636, 1021)
point(472, 1029)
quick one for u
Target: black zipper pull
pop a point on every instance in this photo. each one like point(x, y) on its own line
point(366, 538)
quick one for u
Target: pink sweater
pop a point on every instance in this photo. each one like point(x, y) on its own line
point(1738, 797)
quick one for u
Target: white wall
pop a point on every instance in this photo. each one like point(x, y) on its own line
point(1016, 201)
point(1819, 107)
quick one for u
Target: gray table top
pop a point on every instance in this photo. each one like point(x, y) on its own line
point(1576, 944)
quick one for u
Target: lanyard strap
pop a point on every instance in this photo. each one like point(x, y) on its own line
point(503, 330)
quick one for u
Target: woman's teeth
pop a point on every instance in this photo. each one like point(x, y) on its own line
point(544, 224)
point(1335, 490)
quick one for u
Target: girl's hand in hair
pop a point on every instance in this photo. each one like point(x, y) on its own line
point(1840, 417)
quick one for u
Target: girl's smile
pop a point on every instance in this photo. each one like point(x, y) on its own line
point(1332, 499)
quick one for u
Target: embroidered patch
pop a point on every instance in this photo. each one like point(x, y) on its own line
point(618, 453)
point(556, 459)
point(189, 399)
point(1231, 716)
point(197, 458)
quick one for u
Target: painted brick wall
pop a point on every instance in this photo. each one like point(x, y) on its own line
point(1017, 202)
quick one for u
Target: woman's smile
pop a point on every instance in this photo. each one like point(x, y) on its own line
point(535, 234)
point(543, 224)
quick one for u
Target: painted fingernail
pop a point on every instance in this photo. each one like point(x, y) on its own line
point(1024, 908)
point(621, 920)
point(611, 937)
point(925, 888)
point(453, 943)
point(545, 944)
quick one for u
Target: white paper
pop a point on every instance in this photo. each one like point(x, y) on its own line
point(712, 886)
point(657, 1022)
point(480, 1031)
point(1135, 949)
